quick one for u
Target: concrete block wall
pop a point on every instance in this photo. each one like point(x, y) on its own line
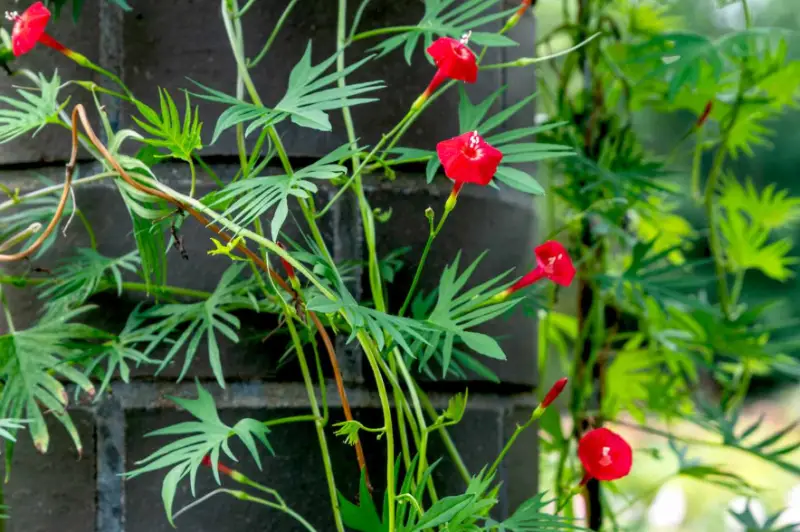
point(162, 44)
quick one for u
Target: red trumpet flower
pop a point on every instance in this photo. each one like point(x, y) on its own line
point(453, 60)
point(605, 455)
point(468, 158)
point(29, 30)
point(552, 262)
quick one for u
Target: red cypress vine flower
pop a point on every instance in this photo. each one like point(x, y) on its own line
point(453, 60)
point(468, 158)
point(29, 30)
point(552, 262)
point(605, 455)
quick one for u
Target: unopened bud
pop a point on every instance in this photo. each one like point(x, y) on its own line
point(554, 392)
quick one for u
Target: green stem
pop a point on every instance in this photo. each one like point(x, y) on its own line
point(738, 284)
point(527, 61)
point(243, 496)
point(54, 188)
point(193, 174)
point(273, 35)
point(127, 286)
point(697, 161)
point(455, 456)
point(207, 169)
point(312, 399)
point(290, 419)
point(519, 430)
point(363, 166)
point(748, 19)
point(421, 265)
point(381, 31)
point(372, 356)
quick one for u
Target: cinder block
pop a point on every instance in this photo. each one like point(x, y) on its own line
point(55, 491)
point(158, 51)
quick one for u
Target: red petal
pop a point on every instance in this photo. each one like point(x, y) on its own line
point(28, 28)
point(454, 59)
point(590, 452)
point(562, 270)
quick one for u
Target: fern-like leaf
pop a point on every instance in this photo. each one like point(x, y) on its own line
point(205, 437)
point(441, 18)
point(309, 95)
point(749, 247)
point(197, 321)
point(78, 278)
point(30, 360)
point(181, 139)
point(250, 198)
point(31, 111)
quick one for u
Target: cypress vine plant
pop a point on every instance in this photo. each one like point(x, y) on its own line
point(652, 316)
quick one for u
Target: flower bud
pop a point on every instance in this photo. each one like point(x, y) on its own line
point(554, 392)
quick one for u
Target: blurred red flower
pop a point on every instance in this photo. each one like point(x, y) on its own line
point(605, 455)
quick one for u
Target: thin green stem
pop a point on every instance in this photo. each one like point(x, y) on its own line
point(738, 284)
point(519, 430)
point(126, 286)
point(6, 311)
point(455, 456)
point(273, 35)
point(527, 61)
point(44, 191)
point(381, 31)
point(193, 174)
point(312, 399)
point(207, 169)
point(243, 496)
point(363, 166)
point(290, 419)
point(697, 161)
point(748, 19)
point(372, 356)
point(421, 265)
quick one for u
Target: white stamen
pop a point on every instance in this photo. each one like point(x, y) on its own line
point(465, 37)
point(474, 140)
point(12, 15)
point(606, 459)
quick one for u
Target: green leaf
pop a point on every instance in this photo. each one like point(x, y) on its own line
point(31, 111)
point(81, 276)
point(120, 350)
point(9, 428)
point(439, 21)
point(772, 209)
point(198, 321)
point(456, 312)
point(364, 517)
point(531, 517)
point(30, 362)
point(309, 95)
point(442, 511)
point(749, 247)
point(519, 180)
point(249, 199)
point(206, 436)
point(181, 140)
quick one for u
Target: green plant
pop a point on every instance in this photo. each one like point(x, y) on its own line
point(651, 315)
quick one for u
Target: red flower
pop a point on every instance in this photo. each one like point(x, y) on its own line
point(468, 158)
point(553, 262)
point(29, 30)
point(453, 60)
point(554, 392)
point(605, 454)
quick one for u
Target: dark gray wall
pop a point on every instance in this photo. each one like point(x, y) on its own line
point(162, 43)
